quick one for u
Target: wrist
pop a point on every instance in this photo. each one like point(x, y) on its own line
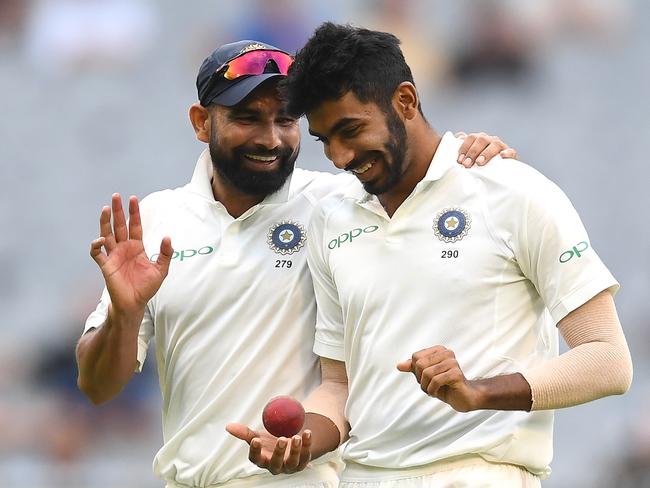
point(480, 395)
point(121, 318)
point(505, 392)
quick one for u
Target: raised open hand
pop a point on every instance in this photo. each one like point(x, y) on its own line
point(131, 278)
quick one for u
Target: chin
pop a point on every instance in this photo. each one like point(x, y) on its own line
point(376, 187)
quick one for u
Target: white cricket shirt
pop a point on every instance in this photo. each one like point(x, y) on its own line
point(484, 262)
point(233, 320)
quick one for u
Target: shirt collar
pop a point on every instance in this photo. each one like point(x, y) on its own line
point(201, 182)
point(445, 157)
point(280, 196)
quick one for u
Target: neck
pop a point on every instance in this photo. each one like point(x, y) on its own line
point(423, 142)
point(235, 201)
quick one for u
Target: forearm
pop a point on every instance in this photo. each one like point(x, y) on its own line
point(326, 436)
point(585, 373)
point(325, 409)
point(107, 357)
point(598, 364)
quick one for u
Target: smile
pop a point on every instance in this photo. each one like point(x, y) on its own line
point(262, 159)
point(362, 169)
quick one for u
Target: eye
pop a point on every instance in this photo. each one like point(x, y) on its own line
point(351, 131)
point(286, 121)
point(245, 119)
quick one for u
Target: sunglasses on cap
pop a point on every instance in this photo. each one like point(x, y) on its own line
point(254, 63)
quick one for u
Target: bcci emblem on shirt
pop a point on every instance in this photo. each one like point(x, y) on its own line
point(452, 224)
point(286, 237)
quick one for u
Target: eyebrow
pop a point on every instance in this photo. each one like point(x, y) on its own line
point(340, 124)
point(285, 113)
point(244, 111)
point(253, 112)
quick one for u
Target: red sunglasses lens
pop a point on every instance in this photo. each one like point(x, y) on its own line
point(254, 63)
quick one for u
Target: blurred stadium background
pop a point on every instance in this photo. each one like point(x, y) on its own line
point(94, 97)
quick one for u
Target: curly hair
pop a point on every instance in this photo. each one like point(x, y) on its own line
point(342, 58)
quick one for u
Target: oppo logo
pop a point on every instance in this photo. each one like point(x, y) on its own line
point(187, 253)
point(575, 251)
point(350, 235)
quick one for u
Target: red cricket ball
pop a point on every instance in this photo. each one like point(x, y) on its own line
point(283, 416)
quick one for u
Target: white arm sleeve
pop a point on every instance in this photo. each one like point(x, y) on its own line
point(597, 365)
point(329, 318)
point(330, 397)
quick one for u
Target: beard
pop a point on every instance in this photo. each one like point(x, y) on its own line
point(229, 165)
point(396, 148)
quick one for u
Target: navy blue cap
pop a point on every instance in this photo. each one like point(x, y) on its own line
point(230, 92)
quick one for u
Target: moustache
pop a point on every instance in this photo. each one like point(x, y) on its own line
point(281, 152)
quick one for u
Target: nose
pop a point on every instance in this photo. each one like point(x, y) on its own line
point(268, 136)
point(339, 154)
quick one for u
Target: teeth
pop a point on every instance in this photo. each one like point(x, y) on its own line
point(266, 159)
point(363, 168)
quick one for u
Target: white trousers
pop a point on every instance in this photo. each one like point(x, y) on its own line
point(466, 472)
point(324, 475)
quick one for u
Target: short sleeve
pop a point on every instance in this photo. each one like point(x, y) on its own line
point(98, 318)
point(554, 251)
point(329, 317)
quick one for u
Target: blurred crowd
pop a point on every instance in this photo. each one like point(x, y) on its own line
point(94, 98)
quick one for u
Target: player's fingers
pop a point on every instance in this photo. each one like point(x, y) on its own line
point(481, 142)
point(405, 366)
point(242, 432)
point(165, 255)
point(305, 452)
point(105, 229)
point(277, 458)
point(255, 455)
point(293, 459)
point(448, 378)
point(96, 251)
point(135, 225)
point(427, 358)
point(119, 221)
point(509, 153)
point(432, 371)
point(420, 361)
point(494, 148)
point(464, 147)
point(460, 135)
point(419, 366)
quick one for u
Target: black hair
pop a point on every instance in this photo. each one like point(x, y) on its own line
point(342, 58)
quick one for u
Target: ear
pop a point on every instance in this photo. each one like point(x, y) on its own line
point(200, 119)
point(405, 100)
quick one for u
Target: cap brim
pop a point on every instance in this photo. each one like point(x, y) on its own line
point(236, 93)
